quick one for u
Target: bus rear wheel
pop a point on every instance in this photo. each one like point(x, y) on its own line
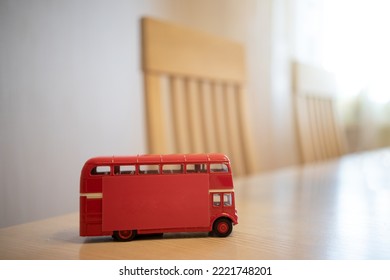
point(124, 235)
point(222, 227)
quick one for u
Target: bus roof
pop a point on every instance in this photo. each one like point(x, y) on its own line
point(156, 159)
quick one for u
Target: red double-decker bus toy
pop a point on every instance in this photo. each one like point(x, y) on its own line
point(123, 196)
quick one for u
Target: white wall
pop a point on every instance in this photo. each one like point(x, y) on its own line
point(71, 88)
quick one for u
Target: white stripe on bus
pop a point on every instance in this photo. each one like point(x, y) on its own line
point(220, 190)
point(92, 195)
point(100, 195)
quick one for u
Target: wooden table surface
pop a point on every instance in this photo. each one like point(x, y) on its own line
point(332, 210)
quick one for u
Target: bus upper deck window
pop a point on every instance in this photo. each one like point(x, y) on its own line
point(196, 168)
point(172, 169)
point(101, 170)
point(219, 167)
point(149, 169)
point(124, 169)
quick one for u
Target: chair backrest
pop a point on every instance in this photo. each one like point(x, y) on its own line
point(194, 94)
point(319, 133)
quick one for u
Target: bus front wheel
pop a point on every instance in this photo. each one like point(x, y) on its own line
point(222, 227)
point(124, 235)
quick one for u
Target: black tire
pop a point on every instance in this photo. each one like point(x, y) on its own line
point(124, 235)
point(222, 227)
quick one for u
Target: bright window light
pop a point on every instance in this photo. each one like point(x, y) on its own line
point(356, 46)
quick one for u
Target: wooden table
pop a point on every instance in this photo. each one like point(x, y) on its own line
point(332, 210)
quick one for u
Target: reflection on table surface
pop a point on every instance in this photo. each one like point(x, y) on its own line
point(338, 209)
point(332, 210)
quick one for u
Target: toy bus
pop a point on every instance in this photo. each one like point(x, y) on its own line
point(122, 196)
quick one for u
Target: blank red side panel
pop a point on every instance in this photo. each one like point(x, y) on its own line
point(155, 202)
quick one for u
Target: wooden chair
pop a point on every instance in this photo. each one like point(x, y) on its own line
point(194, 93)
point(319, 134)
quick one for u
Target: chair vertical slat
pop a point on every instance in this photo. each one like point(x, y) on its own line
point(166, 97)
point(208, 114)
point(154, 114)
point(179, 110)
point(248, 147)
point(233, 131)
point(328, 134)
point(313, 127)
point(220, 117)
point(335, 127)
point(195, 116)
point(331, 133)
point(320, 128)
point(303, 127)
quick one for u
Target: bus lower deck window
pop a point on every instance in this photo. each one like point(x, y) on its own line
point(227, 199)
point(216, 199)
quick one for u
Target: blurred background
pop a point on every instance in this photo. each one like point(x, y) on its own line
point(71, 85)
